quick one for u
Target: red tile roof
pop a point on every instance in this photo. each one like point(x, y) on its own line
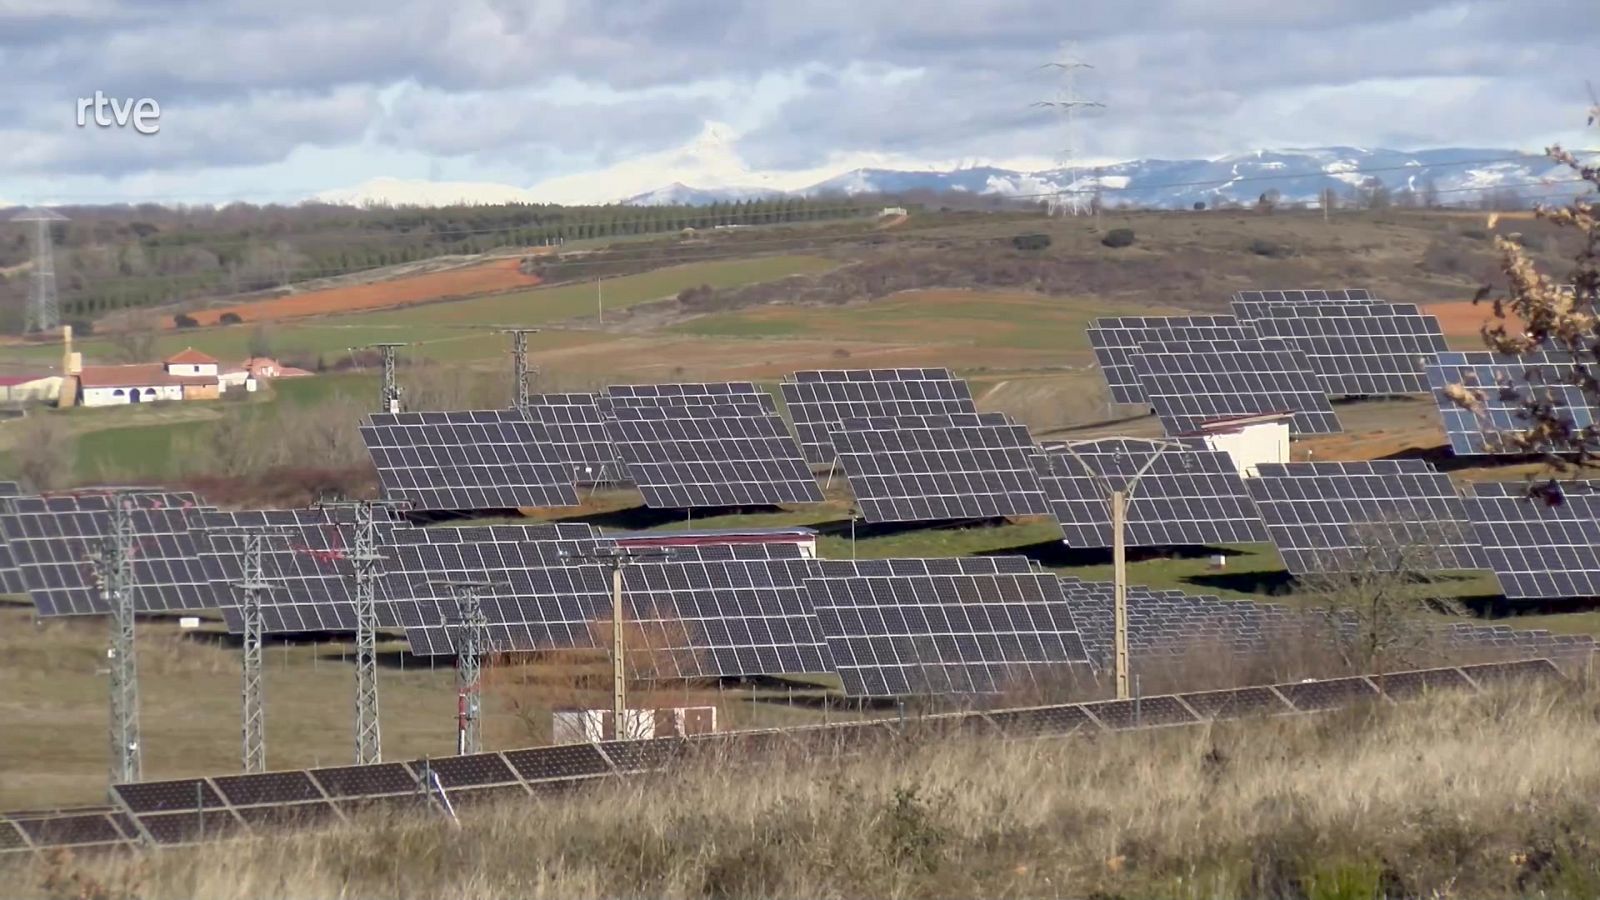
point(142, 375)
point(189, 356)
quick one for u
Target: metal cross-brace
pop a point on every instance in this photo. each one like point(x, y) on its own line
point(253, 589)
point(521, 371)
point(471, 645)
point(114, 574)
point(389, 387)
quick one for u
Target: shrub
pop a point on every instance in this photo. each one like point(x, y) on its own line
point(1031, 241)
point(1271, 249)
point(1199, 205)
point(184, 320)
point(1118, 237)
point(230, 318)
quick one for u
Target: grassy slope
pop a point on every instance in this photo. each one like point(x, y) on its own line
point(1384, 801)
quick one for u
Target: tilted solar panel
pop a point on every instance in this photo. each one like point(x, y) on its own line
point(470, 460)
point(10, 489)
point(949, 633)
point(1358, 348)
point(728, 454)
point(1188, 495)
point(818, 400)
point(1250, 304)
point(1543, 546)
point(930, 468)
point(1116, 340)
point(576, 430)
point(1359, 516)
point(54, 540)
point(1188, 389)
point(1503, 390)
point(706, 611)
point(685, 394)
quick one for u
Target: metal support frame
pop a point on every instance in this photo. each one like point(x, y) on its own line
point(44, 307)
point(521, 371)
point(389, 389)
point(1119, 498)
point(369, 738)
point(471, 642)
point(114, 572)
point(253, 588)
point(618, 558)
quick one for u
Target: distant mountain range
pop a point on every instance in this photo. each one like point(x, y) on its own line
point(1456, 174)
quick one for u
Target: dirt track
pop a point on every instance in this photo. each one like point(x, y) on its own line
point(467, 281)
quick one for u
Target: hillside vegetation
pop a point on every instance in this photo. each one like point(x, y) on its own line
point(1453, 796)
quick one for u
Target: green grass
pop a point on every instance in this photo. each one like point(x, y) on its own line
point(145, 452)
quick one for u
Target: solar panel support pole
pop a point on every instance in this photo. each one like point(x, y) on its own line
point(114, 569)
point(618, 558)
point(1119, 563)
point(252, 588)
point(471, 644)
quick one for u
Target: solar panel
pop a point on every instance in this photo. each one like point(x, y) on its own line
point(728, 454)
point(52, 542)
point(576, 431)
point(1358, 348)
point(10, 489)
point(1116, 340)
point(1188, 389)
point(687, 394)
point(1539, 549)
point(305, 557)
point(818, 400)
point(472, 460)
point(1504, 387)
point(1191, 495)
point(1351, 516)
point(709, 610)
point(930, 468)
point(1252, 304)
point(946, 633)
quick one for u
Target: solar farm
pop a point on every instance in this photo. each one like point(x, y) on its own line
point(481, 553)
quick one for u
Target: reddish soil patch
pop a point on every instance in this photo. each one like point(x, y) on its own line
point(1465, 319)
point(453, 284)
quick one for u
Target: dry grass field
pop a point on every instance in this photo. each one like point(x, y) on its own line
point(1452, 796)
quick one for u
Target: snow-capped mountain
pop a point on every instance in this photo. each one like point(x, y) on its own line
point(1456, 174)
point(678, 194)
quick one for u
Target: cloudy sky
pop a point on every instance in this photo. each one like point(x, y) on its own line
point(568, 100)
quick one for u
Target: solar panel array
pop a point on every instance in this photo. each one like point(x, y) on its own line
point(576, 431)
point(1504, 387)
point(819, 400)
point(697, 455)
point(1543, 546)
point(471, 460)
point(1186, 496)
point(305, 555)
point(710, 610)
point(1256, 299)
point(937, 467)
point(52, 541)
point(1116, 341)
point(1354, 516)
point(1365, 348)
point(685, 394)
point(192, 810)
point(970, 626)
point(1189, 388)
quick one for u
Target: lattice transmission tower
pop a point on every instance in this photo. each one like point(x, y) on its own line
point(1067, 104)
point(44, 307)
point(113, 564)
point(521, 372)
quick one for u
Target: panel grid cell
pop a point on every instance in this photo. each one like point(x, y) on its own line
point(688, 456)
point(466, 461)
point(576, 430)
point(1541, 544)
point(819, 400)
point(1503, 391)
point(1354, 516)
point(1188, 495)
point(1358, 348)
point(1116, 339)
point(931, 468)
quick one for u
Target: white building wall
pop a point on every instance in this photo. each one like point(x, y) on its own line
point(1251, 445)
point(105, 396)
point(192, 369)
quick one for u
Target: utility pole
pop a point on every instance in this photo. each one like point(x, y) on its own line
point(519, 365)
point(114, 572)
point(1067, 103)
point(389, 390)
point(618, 558)
point(364, 558)
point(471, 646)
point(253, 588)
point(1118, 499)
point(599, 301)
point(44, 307)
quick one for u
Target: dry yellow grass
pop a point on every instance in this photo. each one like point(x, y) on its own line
point(1455, 796)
